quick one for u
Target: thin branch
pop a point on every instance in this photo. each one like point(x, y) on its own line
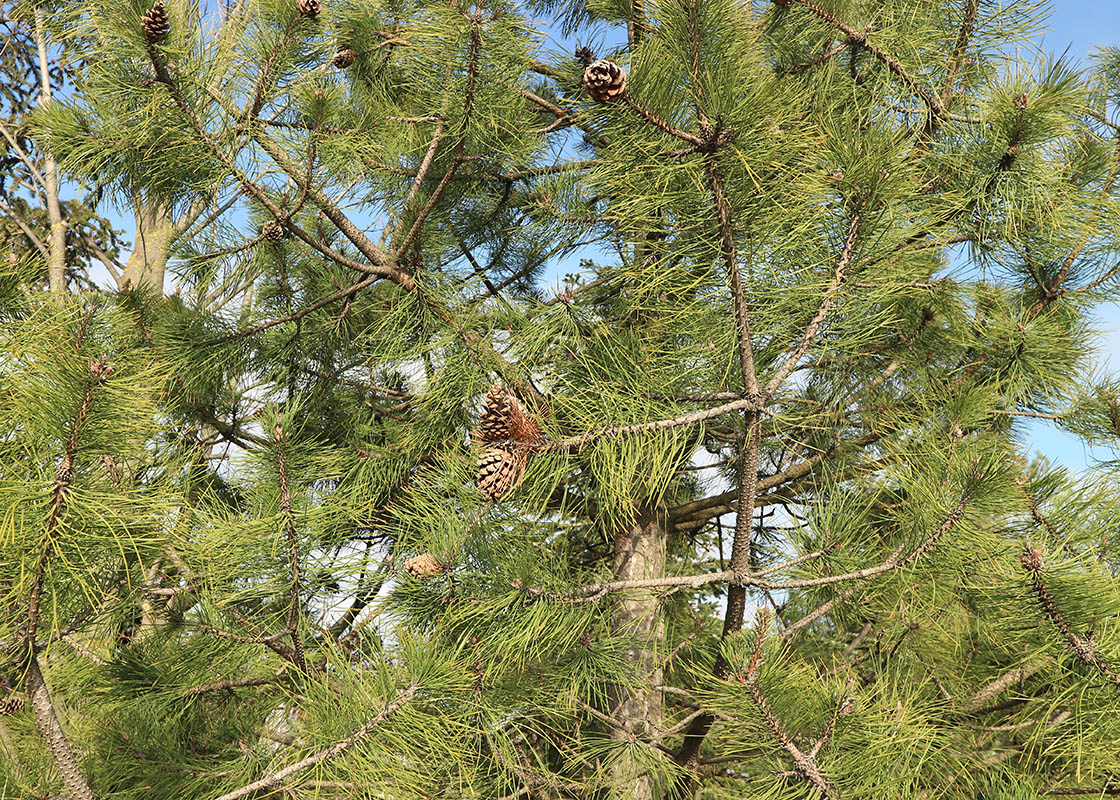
point(233, 683)
point(573, 443)
point(460, 147)
point(303, 312)
point(661, 124)
point(1082, 646)
point(596, 591)
point(23, 156)
point(860, 37)
point(22, 224)
point(822, 311)
point(276, 779)
point(56, 260)
point(996, 687)
point(805, 763)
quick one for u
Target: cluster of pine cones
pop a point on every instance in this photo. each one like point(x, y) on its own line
point(506, 436)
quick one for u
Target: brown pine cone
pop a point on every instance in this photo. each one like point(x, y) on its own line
point(273, 231)
point(604, 80)
point(309, 8)
point(422, 566)
point(12, 704)
point(156, 23)
point(500, 471)
point(344, 58)
point(503, 420)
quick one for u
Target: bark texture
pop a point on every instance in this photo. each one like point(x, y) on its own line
point(155, 231)
point(639, 552)
point(51, 730)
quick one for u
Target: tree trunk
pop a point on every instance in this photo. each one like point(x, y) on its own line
point(56, 244)
point(639, 552)
point(155, 231)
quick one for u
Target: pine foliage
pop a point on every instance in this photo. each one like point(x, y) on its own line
point(748, 508)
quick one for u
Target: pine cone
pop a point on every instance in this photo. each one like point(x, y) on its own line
point(422, 566)
point(12, 704)
point(156, 23)
point(344, 58)
point(584, 55)
point(503, 421)
point(309, 8)
point(273, 231)
point(604, 80)
point(500, 471)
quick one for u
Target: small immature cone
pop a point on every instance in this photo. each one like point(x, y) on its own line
point(272, 231)
point(344, 58)
point(422, 566)
point(604, 80)
point(156, 23)
point(309, 8)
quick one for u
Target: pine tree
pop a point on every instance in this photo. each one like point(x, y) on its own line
point(748, 509)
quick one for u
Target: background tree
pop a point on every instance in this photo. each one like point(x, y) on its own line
point(744, 511)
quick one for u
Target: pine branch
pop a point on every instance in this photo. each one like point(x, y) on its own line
point(805, 763)
point(574, 443)
point(1054, 289)
point(293, 549)
point(460, 147)
point(643, 112)
point(1083, 647)
point(720, 504)
point(997, 686)
point(51, 730)
point(342, 294)
point(744, 578)
point(233, 683)
point(45, 716)
point(1058, 539)
point(860, 38)
point(816, 614)
point(56, 262)
point(276, 779)
point(814, 325)
point(964, 34)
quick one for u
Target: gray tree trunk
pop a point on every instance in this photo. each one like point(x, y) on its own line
point(639, 552)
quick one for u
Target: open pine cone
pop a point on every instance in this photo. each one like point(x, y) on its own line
point(156, 23)
point(503, 421)
point(506, 436)
point(272, 231)
point(309, 8)
point(422, 566)
point(500, 471)
point(344, 58)
point(604, 80)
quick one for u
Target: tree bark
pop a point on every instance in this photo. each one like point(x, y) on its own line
point(56, 244)
point(155, 230)
point(639, 552)
point(53, 735)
